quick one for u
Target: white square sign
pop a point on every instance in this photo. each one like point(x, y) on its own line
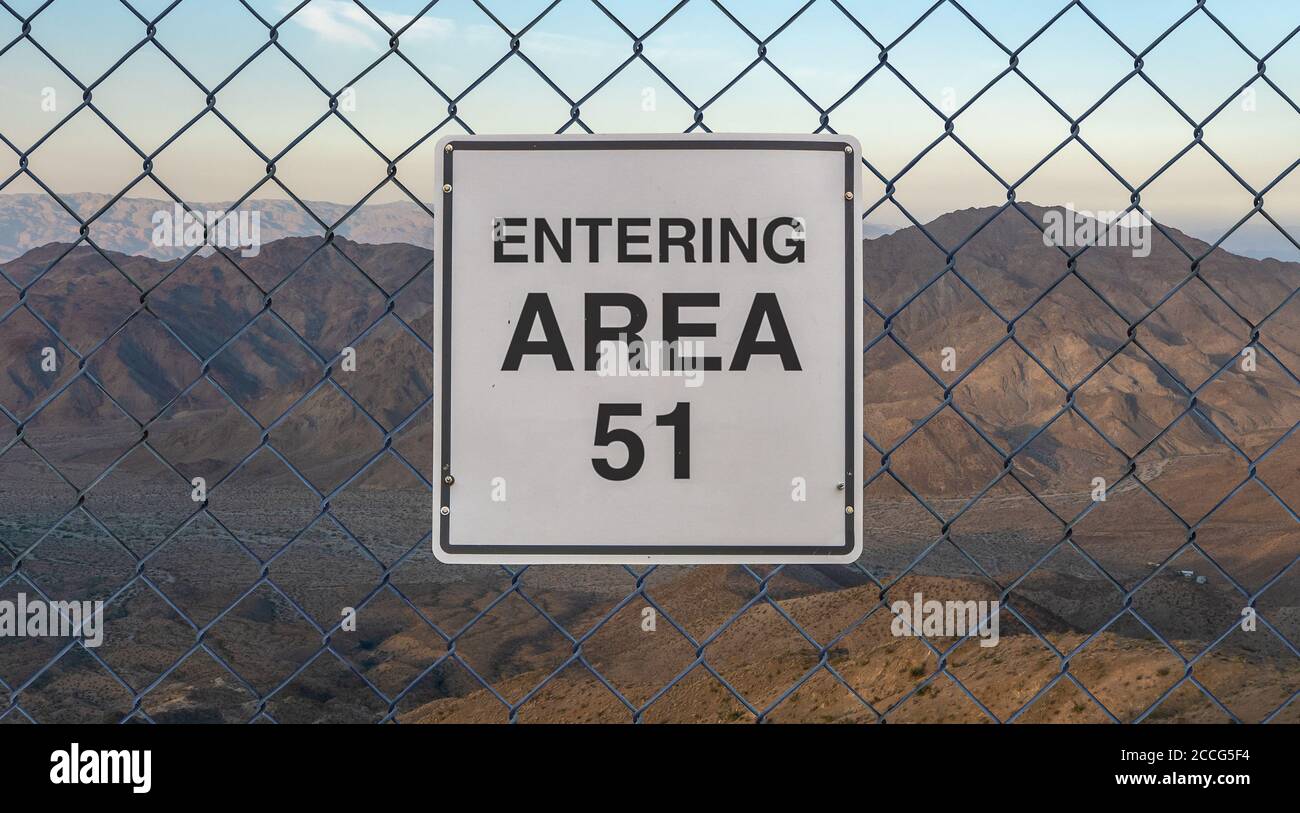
point(648, 349)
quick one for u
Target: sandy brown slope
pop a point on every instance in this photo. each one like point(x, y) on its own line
point(761, 657)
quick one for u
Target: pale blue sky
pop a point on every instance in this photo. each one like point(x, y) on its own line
point(946, 58)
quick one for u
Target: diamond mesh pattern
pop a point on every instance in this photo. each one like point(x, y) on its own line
point(203, 639)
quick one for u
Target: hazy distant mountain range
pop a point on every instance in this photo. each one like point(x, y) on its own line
point(29, 221)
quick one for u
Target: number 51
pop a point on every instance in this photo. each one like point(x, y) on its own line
point(679, 419)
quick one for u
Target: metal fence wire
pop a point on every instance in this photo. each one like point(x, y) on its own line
point(876, 54)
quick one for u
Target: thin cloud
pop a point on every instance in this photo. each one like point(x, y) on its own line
point(342, 22)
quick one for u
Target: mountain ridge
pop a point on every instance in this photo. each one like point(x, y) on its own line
point(1019, 384)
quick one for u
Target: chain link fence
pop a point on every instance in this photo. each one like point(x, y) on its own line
point(21, 697)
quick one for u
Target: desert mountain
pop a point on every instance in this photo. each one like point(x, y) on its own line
point(335, 294)
point(1072, 331)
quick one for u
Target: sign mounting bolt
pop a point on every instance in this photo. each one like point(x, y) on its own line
point(446, 188)
point(445, 510)
point(449, 479)
point(848, 509)
point(447, 148)
point(847, 195)
point(848, 148)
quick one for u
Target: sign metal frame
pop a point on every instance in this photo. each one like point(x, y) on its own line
point(443, 514)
